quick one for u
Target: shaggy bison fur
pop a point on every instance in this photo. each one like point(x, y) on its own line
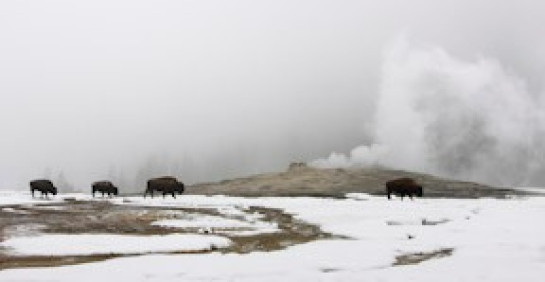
point(403, 187)
point(104, 187)
point(44, 186)
point(165, 185)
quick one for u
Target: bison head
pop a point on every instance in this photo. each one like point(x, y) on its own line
point(180, 187)
point(419, 191)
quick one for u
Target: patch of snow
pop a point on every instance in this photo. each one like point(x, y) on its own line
point(16, 211)
point(8, 198)
point(50, 208)
point(88, 244)
point(203, 221)
point(358, 196)
point(217, 224)
point(246, 233)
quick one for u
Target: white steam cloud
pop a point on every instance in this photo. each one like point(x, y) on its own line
point(472, 120)
point(359, 156)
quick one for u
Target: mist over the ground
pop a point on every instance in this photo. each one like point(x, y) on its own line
point(206, 90)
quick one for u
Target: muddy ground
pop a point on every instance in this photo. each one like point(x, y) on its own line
point(103, 217)
point(416, 258)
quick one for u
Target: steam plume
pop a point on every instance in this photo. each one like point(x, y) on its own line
point(472, 120)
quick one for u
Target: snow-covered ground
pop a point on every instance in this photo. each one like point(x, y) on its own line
point(16, 198)
point(493, 240)
point(92, 244)
point(221, 225)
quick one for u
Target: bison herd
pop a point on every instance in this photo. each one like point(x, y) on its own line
point(168, 185)
point(165, 185)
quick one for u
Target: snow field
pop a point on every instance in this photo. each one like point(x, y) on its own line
point(493, 240)
point(100, 244)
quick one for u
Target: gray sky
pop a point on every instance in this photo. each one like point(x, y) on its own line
point(213, 89)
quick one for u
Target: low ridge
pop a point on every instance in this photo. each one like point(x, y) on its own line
point(303, 180)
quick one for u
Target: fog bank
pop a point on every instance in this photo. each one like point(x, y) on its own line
point(207, 90)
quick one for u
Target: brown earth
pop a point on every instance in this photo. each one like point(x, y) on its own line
point(302, 180)
point(416, 258)
point(102, 217)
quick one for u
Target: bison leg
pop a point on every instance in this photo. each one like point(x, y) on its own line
point(150, 191)
point(173, 195)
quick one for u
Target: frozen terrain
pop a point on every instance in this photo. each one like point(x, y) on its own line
point(81, 244)
point(378, 240)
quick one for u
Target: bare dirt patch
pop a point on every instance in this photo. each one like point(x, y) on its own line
point(103, 217)
point(416, 258)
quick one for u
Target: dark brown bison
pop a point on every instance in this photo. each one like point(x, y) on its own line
point(43, 185)
point(403, 187)
point(104, 187)
point(166, 185)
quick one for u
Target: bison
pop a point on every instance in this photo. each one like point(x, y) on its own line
point(166, 185)
point(104, 187)
point(43, 185)
point(403, 187)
